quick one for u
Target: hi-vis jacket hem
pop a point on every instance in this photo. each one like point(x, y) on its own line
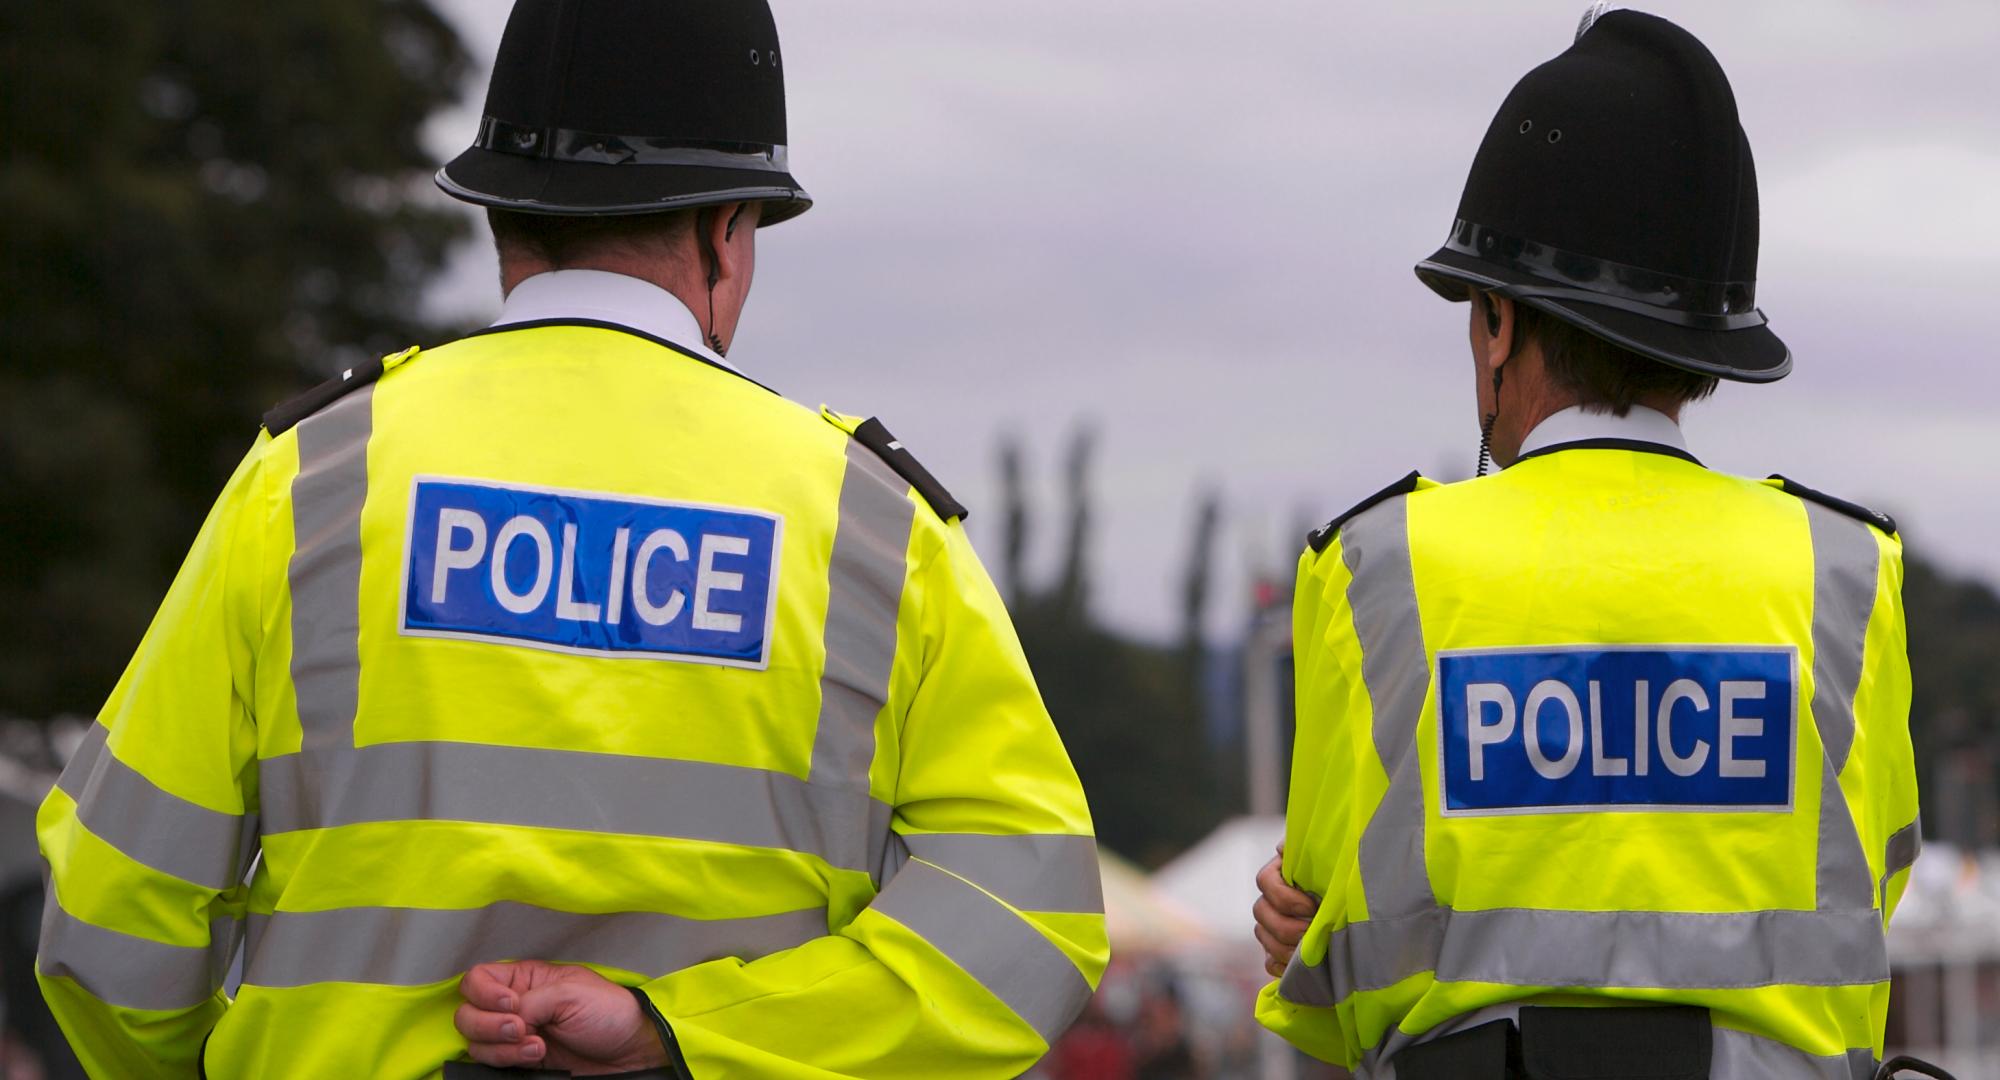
point(864, 855)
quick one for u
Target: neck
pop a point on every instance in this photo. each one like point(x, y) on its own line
point(667, 274)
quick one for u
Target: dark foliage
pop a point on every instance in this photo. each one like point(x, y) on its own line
point(210, 205)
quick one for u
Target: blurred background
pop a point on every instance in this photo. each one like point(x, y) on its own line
point(1134, 280)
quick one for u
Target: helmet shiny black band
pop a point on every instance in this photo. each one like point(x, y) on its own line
point(569, 144)
point(1686, 301)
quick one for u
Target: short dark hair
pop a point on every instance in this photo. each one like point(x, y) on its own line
point(1603, 375)
point(567, 239)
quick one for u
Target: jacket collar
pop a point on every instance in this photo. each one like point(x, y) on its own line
point(599, 296)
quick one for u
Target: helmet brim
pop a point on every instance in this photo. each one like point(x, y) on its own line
point(542, 186)
point(1753, 354)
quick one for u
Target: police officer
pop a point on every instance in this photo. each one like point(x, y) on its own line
point(1607, 728)
point(592, 706)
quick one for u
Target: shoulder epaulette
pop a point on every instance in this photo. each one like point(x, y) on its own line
point(871, 434)
point(1321, 537)
point(1857, 511)
point(290, 413)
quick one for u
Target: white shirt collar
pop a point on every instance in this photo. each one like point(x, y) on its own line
point(1573, 424)
point(602, 296)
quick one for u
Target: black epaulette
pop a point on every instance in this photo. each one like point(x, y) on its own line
point(874, 436)
point(288, 415)
point(1876, 518)
point(1321, 537)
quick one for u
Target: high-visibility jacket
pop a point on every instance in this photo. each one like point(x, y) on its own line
point(1607, 726)
point(559, 643)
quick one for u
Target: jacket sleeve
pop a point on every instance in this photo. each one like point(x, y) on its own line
point(987, 936)
point(146, 836)
point(1880, 777)
point(1333, 718)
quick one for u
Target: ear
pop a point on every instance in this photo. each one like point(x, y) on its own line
point(1497, 344)
point(723, 223)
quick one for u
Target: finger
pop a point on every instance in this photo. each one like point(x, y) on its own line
point(1279, 925)
point(492, 987)
point(528, 1051)
point(1288, 900)
point(481, 1026)
point(1275, 951)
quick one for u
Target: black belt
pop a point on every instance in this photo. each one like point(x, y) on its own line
point(1670, 1042)
point(466, 1070)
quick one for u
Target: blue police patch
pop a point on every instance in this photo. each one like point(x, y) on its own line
point(602, 575)
point(1588, 728)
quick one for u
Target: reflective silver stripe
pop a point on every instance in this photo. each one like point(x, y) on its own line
point(1009, 957)
point(1376, 547)
point(150, 826)
point(325, 572)
point(864, 592)
point(1739, 1055)
point(567, 789)
point(1047, 872)
point(132, 972)
point(419, 946)
point(1844, 570)
point(1639, 949)
point(1900, 853)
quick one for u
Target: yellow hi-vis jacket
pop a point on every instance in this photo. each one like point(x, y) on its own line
point(1606, 727)
point(558, 643)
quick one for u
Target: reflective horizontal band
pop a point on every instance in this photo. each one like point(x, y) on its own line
point(1904, 844)
point(419, 946)
point(569, 144)
point(150, 826)
point(1739, 1055)
point(1638, 949)
point(1009, 957)
point(570, 789)
point(132, 972)
point(1694, 302)
point(1047, 872)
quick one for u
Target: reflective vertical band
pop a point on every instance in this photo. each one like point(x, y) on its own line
point(1845, 562)
point(420, 946)
point(132, 972)
point(150, 826)
point(1376, 548)
point(1007, 956)
point(570, 789)
point(1046, 872)
point(325, 572)
point(864, 593)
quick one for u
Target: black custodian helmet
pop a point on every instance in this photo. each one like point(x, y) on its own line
point(632, 107)
point(1615, 191)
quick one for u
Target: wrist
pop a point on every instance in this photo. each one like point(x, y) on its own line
point(657, 1038)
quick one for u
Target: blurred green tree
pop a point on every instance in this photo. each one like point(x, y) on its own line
point(1129, 710)
point(208, 207)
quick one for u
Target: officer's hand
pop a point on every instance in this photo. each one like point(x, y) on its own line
point(554, 1016)
point(1282, 914)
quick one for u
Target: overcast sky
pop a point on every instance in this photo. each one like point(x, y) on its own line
point(1191, 223)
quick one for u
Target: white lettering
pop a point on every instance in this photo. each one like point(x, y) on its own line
point(614, 600)
point(1734, 726)
point(1478, 734)
point(567, 606)
point(1545, 691)
point(449, 558)
point(1600, 763)
point(708, 580)
point(641, 566)
point(1642, 711)
point(1678, 690)
point(522, 603)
